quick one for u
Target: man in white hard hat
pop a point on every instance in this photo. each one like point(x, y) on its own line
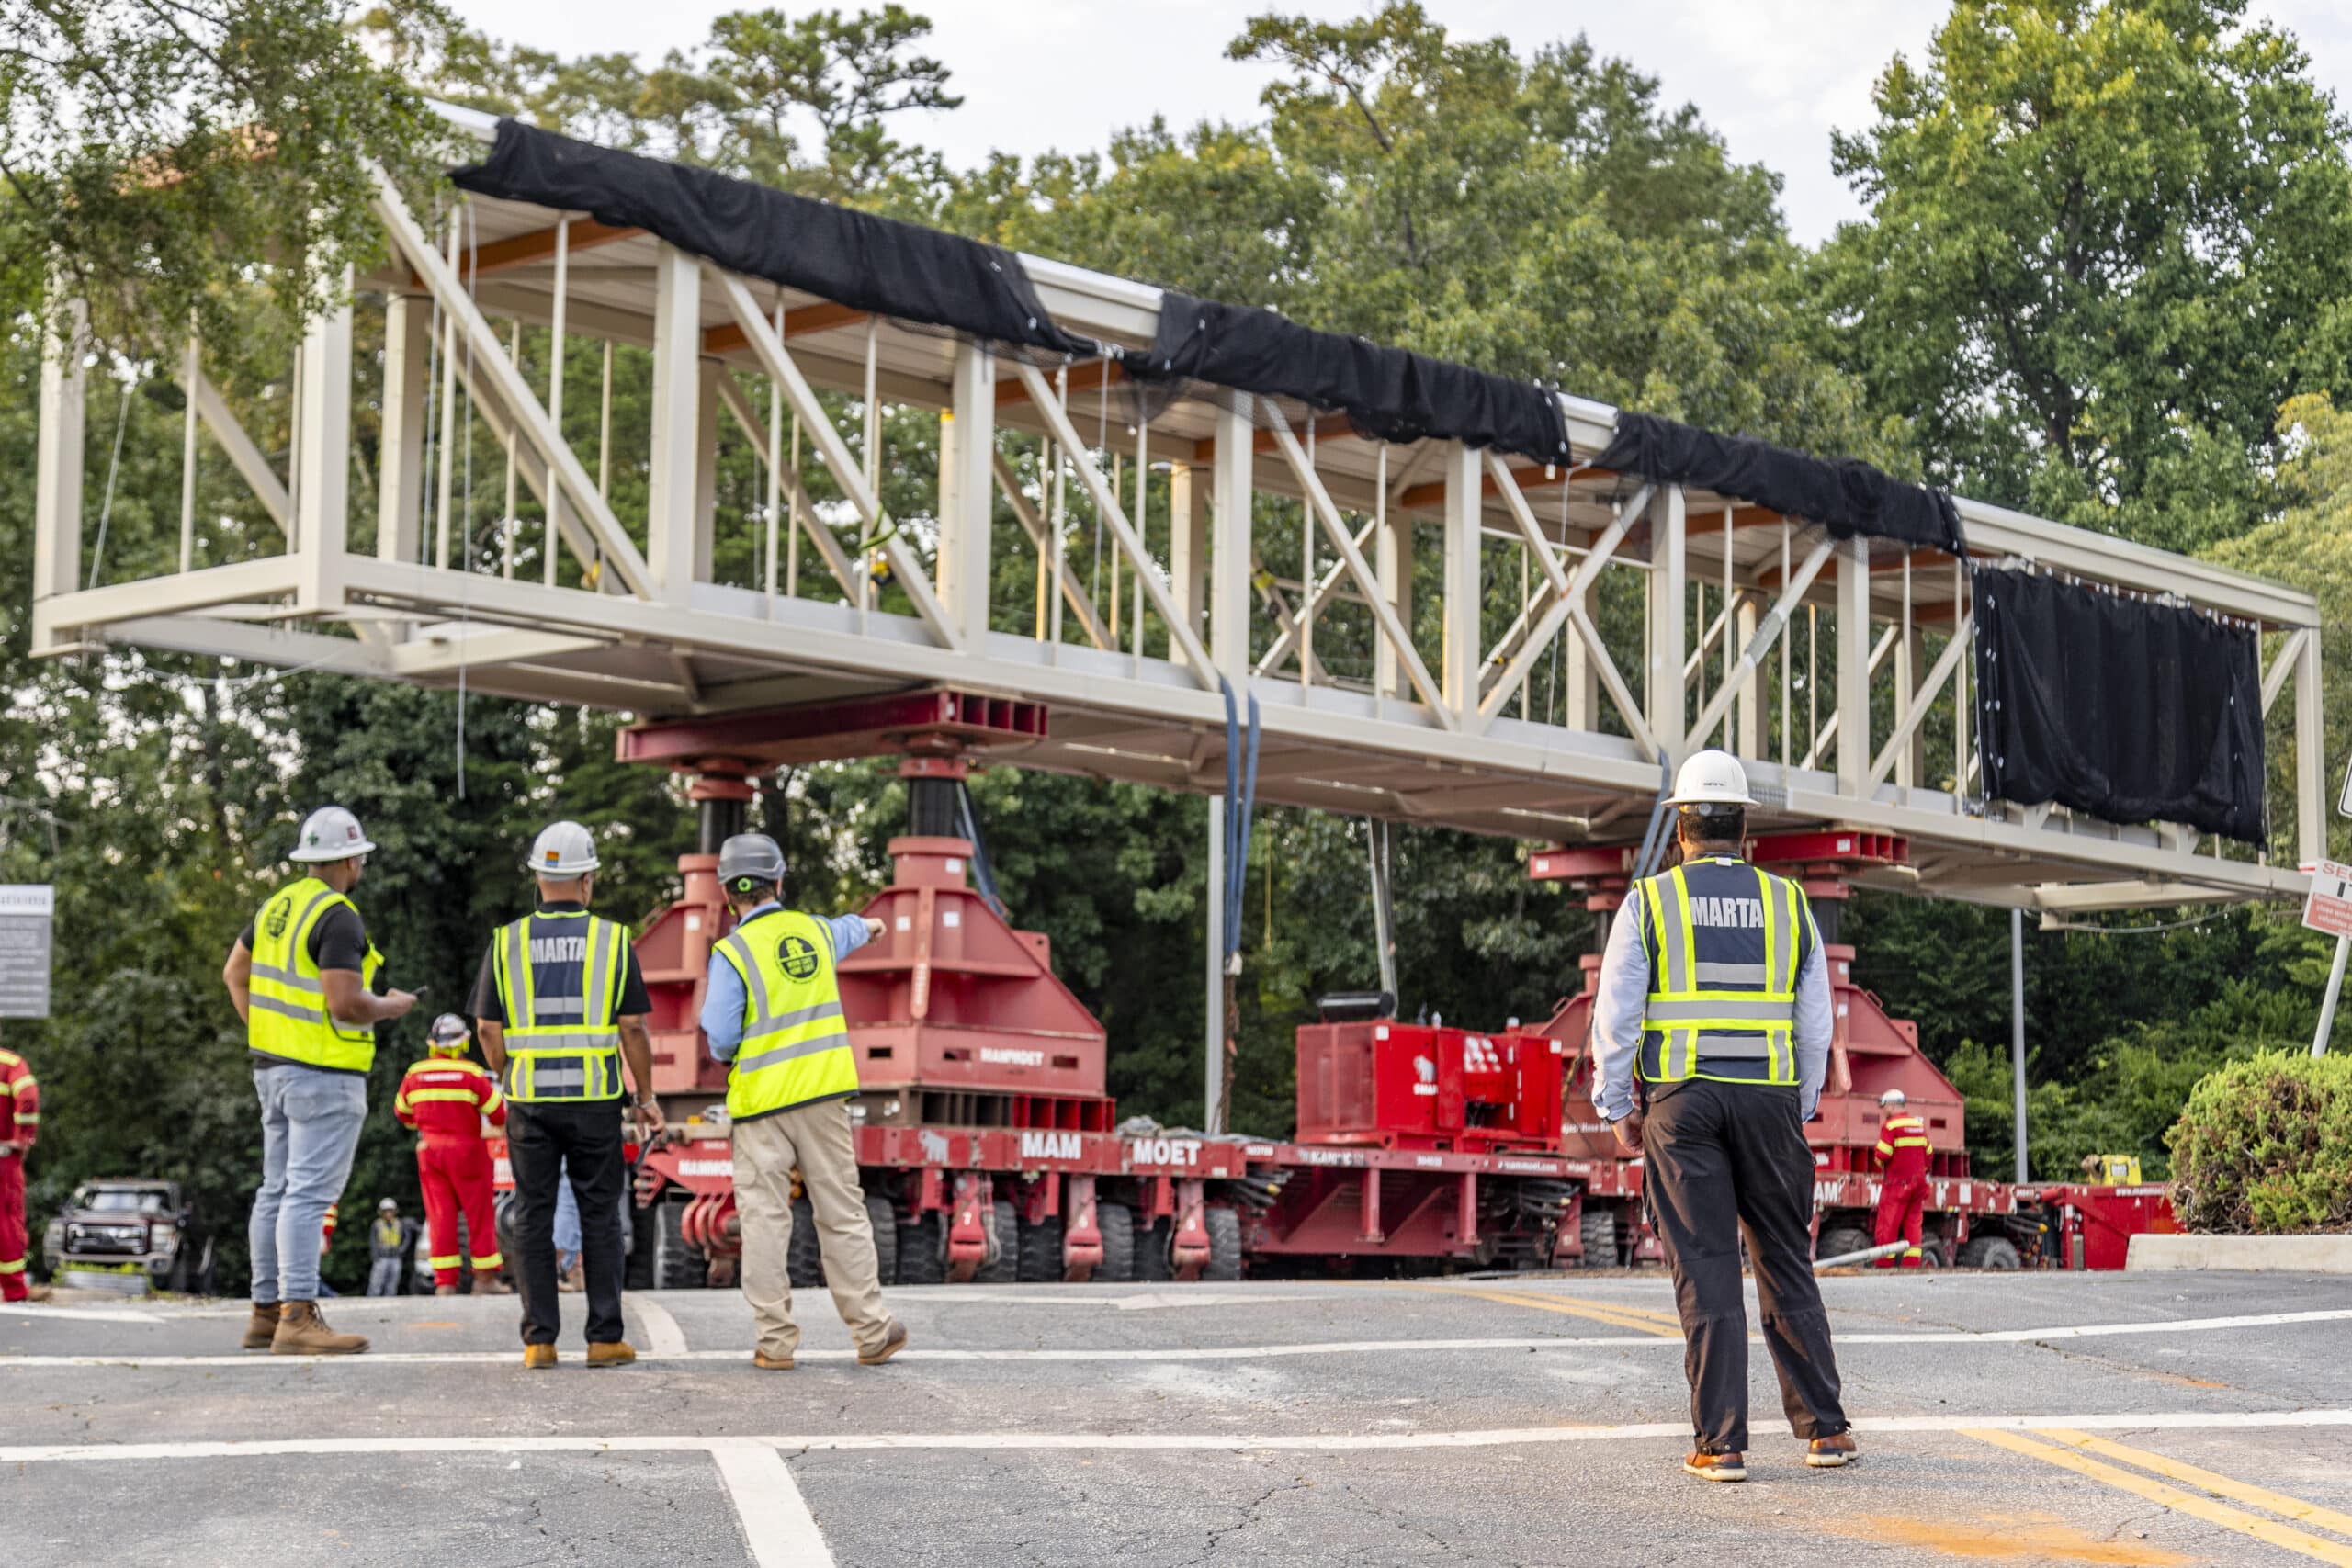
point(1711, 1037)
point(560, 1006)
point(303, 978)
point(1903, 1183)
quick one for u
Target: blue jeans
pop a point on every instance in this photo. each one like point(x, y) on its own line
point(310, 1129)
point(384, 1276)
point(567, 1224)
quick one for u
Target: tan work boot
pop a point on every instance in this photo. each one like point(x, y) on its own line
point(617, 1354)
point(491, 1285)
point(1716, 1467)
point(37, 1292)
point(302, 1332)
point(892, 1343)
point(538, 1358)
point(445, 1290)
point(1829, 1453)
point(768, 1363)
point(262, 1327)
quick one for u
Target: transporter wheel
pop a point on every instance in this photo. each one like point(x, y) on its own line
point(1932, 1252)
point(923, 1251)
point(676, 1266)
point(1041, 1252)
point(884, 1219)
point(1005, 1220)
point(1838, 1240)
point(1155, 1252)
point(637, 1255)
point(1225, 1245)
point(1990, 1252)
point(1598, 1231)
point(1117, 1223)
point(804, 1257)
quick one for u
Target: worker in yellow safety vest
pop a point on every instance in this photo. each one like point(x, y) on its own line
point(772, 1013)
point(303, 978)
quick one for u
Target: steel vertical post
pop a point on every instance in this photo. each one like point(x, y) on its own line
point(1663, 694)
point(1464, 585)
point(2017, 1030)
point(408, 390)
point(57, 472)
point(2335, 991)
point(1854, 669)
point(670, 502)
point(1213, 1007)
point(321, 461)
point(968, 491)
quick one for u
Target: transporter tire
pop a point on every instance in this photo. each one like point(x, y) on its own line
point(804, 1255)
point(676, 1266)
point(923, 1251)
point(1117, 1223)
point(1155, 1253)
point(1040, 1252)
point(1225, 1245)
point(884, 1219)
point(1005, 1221)
point(1598, 1230)
point(1838, 1240)
point(1997, 1252)
point(637, 1258)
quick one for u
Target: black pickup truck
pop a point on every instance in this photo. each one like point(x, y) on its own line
point(132, 1224)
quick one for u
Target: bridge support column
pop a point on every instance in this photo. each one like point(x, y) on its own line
point(1854, 668)
point(967, 492)
point(1465, 583)
point(400, 477)
point(321, 461)
point(673, 555)
point(1393, 565)
point(1663, 696)
point(1233, 491)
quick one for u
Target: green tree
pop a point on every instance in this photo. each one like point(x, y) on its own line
point(2106, 239)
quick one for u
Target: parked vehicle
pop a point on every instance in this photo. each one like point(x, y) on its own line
point(129, 1225)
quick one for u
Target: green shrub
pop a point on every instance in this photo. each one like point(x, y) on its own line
point(2264, 1146)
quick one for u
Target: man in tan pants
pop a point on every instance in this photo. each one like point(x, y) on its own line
point(773, 1012)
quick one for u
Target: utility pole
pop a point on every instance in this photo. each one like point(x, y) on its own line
point(2016, 1027)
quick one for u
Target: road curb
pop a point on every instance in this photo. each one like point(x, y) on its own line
point(2260, 1254)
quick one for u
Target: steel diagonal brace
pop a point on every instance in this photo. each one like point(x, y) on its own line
point(1391, 626)
point(1761, 643)
point(250, 464)
point(1317, 593)
point(2284, 666)
point(613, 544)
point(1040, 537)
point(1107, 506)
point(1567, 605)
point(847, 473)
point(1921, 699)
point(837, 559)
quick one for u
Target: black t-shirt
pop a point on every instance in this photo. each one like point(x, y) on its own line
point(338, 940)
point(489, 1008)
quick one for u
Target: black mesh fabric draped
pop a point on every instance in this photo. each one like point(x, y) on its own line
point(899, 270)
point(1389, 394)
point(2128, 711)
point(1846, 496)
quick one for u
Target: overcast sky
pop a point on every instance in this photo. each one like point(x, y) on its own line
point(1774, 77)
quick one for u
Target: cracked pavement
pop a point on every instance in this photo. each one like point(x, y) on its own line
point(1043, 1426)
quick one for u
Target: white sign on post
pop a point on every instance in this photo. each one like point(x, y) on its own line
point(2344, 800)
point(26, 910)
point(2329, 906)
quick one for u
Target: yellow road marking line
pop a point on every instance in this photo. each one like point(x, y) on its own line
point(2222, 1485)
point(1615, 1317)
point(2172, 1497)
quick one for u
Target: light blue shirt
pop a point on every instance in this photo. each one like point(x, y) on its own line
point(722, 1000)
point(1624, 998)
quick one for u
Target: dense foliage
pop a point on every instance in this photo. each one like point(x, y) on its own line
point(1543, 215)
point(2264, 1146)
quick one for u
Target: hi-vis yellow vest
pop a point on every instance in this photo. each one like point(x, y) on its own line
point(795, 1045)
point(286, 1011)
point(559, 978)
point(1726, 944)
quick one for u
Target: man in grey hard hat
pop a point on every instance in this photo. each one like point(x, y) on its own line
point(772, 1013)
point(560, 1006)
point(303, 978)
point(1710, 1039)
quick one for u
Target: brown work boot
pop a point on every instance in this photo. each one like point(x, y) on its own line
point(302, 1332)
point(1716, 1467)
point(575, 1278)
point(538, 1358)
point(892, 1343)
point(617, 1354)
point(445, 1290)
point(768, 1363)
point(262, 1327)
point(1828, 1453)
point(37, 1292)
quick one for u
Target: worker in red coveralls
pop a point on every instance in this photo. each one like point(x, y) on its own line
point(445, 1097)
point(19, 1126)
point(1902, 1184)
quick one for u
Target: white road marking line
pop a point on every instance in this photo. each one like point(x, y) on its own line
point(662, 1335)
point(775, 1517)
point(83, 1314)
point(1197, 1442)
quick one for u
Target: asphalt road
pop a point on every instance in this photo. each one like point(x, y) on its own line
point(2114, 1419)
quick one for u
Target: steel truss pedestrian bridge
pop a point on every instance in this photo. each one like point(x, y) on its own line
point(1393, 608)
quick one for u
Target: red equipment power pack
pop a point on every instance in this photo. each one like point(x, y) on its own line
point(1386, 1084)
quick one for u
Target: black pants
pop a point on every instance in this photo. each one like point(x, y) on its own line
point(1722, 1158)
point(542, 1141)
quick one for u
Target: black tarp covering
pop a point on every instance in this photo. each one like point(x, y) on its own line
point(1846, 496)
point(2128, 711)
point(897, 269)
point(1389, 394)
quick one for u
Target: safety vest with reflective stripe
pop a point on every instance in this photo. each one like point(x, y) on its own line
point(286, 1013)
point(795, 1045)
point(1726, 944)
point(563, 1043)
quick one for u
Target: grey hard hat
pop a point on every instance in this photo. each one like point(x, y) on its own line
point(330, 834)
point(448, 1027)
point(749, 861)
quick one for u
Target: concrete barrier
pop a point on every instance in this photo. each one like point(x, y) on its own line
point(2264, 1254)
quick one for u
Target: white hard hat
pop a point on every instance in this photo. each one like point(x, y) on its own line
point(1894, 1097)
point(330, 833)
point(1710, 778)
point(387, 1204)
point(563, 849)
